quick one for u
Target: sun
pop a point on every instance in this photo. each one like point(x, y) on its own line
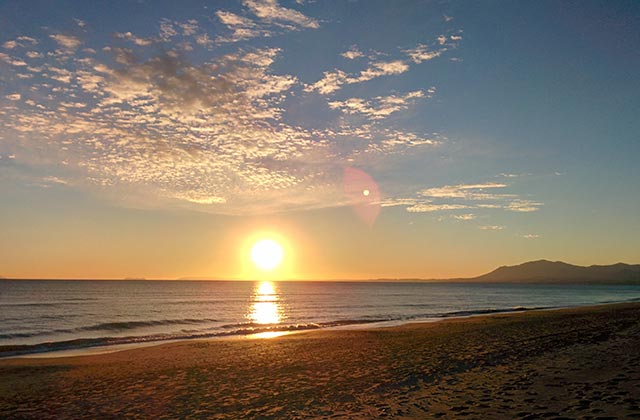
point(267, 254)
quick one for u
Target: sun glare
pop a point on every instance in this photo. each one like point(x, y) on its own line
point(267, 254)
point(265, 308)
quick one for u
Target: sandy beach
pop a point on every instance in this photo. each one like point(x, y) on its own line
point(572, 363)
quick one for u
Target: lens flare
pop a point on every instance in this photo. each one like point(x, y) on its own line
point(363, 194)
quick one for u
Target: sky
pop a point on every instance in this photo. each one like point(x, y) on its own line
point(371, 139)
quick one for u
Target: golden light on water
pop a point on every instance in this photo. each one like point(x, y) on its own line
point(265, 308)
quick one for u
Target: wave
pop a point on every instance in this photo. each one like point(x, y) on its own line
point(489, 311)
point(110, 326)
point(128, 325)
point(225, 330)
point(237, 330)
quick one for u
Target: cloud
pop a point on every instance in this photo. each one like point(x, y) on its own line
point(491, 227)
point(332, 81)
point(271, 11)
point(395, 138)
point(381, 106)
point(465, 217)
point(13, 61)
point(240, 26)
point(352, 53)
point(27, 39)
point(531, 236)
point(21, 41)
point(423, 53)
point(335, 79)
point(66, 41)
point(524, 206)
point(190, 27)
point(142, 42)
point(167, 30)
point(168, 130)
point(393, 202)
point(272, 19)
point(467, 192)
point(429, 207)
point(204, 40)
point(466, 196)
point(382, 68)
point(55, 180)
point(160, 121)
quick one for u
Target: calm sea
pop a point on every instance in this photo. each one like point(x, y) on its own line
point(38, 316)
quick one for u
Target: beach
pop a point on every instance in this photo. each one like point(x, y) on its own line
point(567, 363)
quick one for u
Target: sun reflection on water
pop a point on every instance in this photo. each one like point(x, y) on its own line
point(265, 308)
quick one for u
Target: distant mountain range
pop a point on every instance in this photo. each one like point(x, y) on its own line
point(544, 271)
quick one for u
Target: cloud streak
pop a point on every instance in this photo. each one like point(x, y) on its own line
point(334, 80)
point(382, 106)
point(271, 11)
point(480, 196)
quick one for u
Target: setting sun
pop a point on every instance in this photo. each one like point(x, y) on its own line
point(267, 254)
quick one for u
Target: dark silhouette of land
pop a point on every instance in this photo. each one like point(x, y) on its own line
point(544, 271)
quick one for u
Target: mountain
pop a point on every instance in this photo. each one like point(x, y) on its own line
point(544, 271)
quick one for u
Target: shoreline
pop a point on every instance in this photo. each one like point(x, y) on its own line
point(91, 350)
point(269, 332)
point(572, 363)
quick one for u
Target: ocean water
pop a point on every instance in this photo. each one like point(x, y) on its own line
point(41, 316)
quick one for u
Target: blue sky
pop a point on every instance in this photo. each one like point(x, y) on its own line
point(506, 126)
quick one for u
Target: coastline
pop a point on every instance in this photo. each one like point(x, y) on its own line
point(515, 364)
point(96, 346)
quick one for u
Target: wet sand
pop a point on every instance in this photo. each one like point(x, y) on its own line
point(573, 363)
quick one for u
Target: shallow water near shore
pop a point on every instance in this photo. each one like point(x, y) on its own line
point(42, 316)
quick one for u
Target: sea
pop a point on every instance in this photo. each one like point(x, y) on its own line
point(40, 316)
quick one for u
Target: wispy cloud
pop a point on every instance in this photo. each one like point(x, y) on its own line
point(524, 206)
point(479, 196)
point(12, 60)
point(66, 41)
point(143, 42)
point(271, 18)
point(423, 53)
point(352, 53)
point(271, 11)
point(334, 80)
point(382, 106)
point(430, 207)
point(241, 27)
point(464, 217)
point(491, 227)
